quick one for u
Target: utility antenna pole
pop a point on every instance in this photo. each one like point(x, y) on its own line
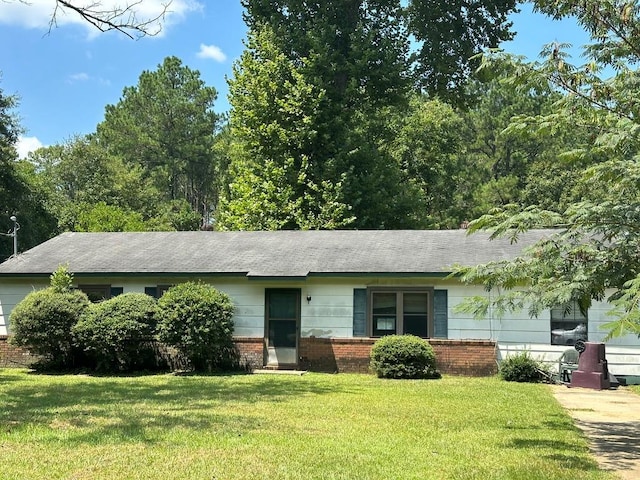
point(14, 234)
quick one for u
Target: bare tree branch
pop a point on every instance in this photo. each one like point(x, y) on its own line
point(123, 19)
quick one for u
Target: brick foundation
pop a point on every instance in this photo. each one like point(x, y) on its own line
point(251, 351)
point(453, 357)
point(476, 358)
point(12, 356)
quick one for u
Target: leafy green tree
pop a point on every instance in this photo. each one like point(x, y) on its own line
point(89, 189)
point(310, 106)
point(502, 164)
point(9, 127)
point(449, 35)
point(17, 196)
point(446, 36)
point(80, 174)
point(428, 146)
point(594, 254)
point(107, 218)
point(273, 125)
point(166, 126)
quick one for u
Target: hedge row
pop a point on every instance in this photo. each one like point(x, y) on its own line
point(123, 333)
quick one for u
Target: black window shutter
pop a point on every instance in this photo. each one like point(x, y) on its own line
point(359, 312)
point(115, 291)
point(440, 324)
point(151, 291)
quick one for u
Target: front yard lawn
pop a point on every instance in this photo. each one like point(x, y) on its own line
point(313, 426)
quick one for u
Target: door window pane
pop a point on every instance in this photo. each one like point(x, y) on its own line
point(282, 333)
point(282, 305)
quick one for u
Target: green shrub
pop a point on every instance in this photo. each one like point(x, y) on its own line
point(118, 334)
point(523, 368)
point(196, 319)
point(42, 322)
point(62, 279)
point(403, 356)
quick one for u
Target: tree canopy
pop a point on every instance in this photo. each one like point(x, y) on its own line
point(17, 196)
point(308, 120)
point(166, 127)
point(449, 36)
point(594, 253)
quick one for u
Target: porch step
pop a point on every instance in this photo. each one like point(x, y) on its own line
point(275, 371)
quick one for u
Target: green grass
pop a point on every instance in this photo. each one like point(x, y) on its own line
point(284, 427)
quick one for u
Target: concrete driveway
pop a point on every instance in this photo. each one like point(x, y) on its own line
point(611, 421)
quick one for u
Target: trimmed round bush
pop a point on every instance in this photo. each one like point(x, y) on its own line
point(196, 319)
point(42, 322)
point(523, 368)
point(403, 356)
point(118, 334)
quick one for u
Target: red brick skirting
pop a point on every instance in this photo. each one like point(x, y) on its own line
point(11, 356)
point(454, 357)
point(251, 351)
point(475, 358)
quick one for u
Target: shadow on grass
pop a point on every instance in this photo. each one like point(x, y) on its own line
point(4, 379)
point(88, 409)
point(566, 454)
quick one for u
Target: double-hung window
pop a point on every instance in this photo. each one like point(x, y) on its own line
point(420, 311)
point(401, 312)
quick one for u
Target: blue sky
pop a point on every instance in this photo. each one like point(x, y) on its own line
point(65, 76)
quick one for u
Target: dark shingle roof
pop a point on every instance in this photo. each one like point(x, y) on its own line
point(266, 254)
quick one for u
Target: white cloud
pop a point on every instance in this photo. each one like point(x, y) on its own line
point(38, 14)
point(26, 145)
point(85, 77)
point(78, 77)
point(212, 52)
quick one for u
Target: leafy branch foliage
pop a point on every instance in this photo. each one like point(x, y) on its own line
point(593, 253)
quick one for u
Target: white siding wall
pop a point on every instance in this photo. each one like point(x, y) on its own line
point(534, 336)
point(330, 313)
point(462, 326)
point(11, 294)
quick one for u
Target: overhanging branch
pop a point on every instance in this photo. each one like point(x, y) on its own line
point(123, 19)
